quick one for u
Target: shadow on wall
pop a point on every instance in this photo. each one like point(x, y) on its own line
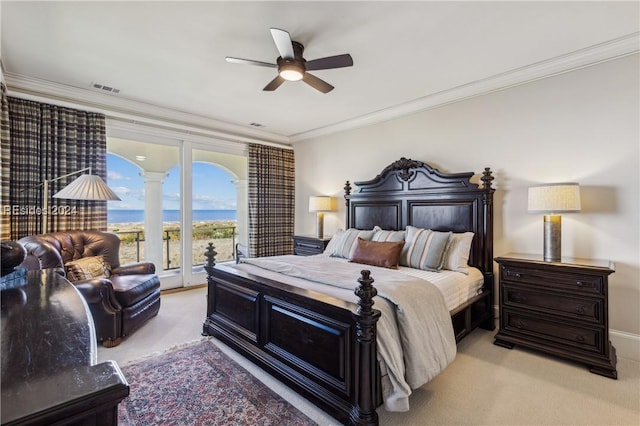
point(599, 199)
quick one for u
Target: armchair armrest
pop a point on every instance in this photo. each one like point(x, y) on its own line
point(135, 268)
point(105, 309)
point(99, 291)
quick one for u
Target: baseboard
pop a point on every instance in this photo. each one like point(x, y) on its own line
point(627, 345)
point(179, 289)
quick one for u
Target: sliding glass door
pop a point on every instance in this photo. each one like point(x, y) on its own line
point(177, 196)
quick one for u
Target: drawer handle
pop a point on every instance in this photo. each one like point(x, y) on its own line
point(580, 309)
point(580, 284)
point(517, 275)
point(580, 338)
point(519, 299)
point(520, 324)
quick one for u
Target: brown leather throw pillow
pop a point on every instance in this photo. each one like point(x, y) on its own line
point(378, 253)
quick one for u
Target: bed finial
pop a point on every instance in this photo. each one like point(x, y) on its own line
point(210, 254)
point(347, 189)
point(366, 292)
point(487, 178)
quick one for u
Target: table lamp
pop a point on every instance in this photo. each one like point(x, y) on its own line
point(552, 199)
point(319, 205)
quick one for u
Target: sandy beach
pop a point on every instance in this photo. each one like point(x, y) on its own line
point(218, 232)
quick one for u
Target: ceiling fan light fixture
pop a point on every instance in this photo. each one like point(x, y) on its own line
point(292, 66)
point(291, 72)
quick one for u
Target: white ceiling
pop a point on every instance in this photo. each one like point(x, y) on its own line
point(407, 55)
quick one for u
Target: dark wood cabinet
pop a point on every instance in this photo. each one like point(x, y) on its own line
point(307, 245)
point(557, 307)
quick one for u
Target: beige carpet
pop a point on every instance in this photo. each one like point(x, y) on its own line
point(485, 385)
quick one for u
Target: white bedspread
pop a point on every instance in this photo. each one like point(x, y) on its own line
point(415, 335)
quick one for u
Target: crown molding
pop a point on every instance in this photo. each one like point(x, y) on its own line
point(124, 109)
point(593, 55)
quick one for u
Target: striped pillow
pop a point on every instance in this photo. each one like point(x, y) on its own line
point(457, 256)
point(424, 248)
point(387, 236)
point(346, 242)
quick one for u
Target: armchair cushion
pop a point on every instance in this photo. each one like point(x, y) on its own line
point(130, 289)
point(87, 267)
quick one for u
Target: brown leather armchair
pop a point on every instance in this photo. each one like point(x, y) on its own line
point(119, 303)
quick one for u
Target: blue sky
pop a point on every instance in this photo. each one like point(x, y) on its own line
point(212, 187)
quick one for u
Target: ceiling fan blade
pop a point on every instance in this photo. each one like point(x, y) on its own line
point(274, 84)
point(317, 83)
point(338, 61)
point(283, 43)
point(250, 62)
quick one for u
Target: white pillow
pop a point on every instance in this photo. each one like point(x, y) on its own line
point(346, 242)
point(424, 249)
point(333, 243)
point(457, 256)
point(387, 236)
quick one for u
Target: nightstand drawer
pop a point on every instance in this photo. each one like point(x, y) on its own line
point(308, 246)
point(569, 281)
point(579, 308)
point(538, 327)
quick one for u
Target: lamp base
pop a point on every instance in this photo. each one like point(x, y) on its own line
point(552, 237)
point(320, 225)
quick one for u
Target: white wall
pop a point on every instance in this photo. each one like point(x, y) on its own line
point(580, 126)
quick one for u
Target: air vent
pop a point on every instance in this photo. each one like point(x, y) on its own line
point(104, 88)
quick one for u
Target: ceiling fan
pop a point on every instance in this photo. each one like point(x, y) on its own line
point(292, 66)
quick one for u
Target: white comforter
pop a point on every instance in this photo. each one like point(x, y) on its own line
point(415, 335)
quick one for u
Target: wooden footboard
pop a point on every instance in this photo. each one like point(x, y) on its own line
point(320, 346)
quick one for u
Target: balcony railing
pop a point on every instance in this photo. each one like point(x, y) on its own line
point(223, 237)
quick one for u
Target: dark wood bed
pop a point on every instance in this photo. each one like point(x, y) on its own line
point(323, 347)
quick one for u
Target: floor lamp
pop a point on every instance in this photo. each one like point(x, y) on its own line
point(84, 187)
point(554, 198)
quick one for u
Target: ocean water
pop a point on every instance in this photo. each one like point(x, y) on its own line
point(137, 216)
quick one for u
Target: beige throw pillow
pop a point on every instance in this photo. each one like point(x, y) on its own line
point(87, 268)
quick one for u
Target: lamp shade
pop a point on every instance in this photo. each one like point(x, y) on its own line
point(87, 187)
point(554, 198)
point(319, 204)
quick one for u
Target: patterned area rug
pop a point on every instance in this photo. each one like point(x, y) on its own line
point(200, 385)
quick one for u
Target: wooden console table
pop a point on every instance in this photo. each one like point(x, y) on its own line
point(50, 373)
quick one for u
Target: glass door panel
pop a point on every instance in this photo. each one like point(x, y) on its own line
point(215, 203)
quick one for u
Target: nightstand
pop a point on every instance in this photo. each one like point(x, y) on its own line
point(557, 307)
point(307, 245)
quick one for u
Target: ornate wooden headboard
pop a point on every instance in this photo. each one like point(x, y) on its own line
point(409, 192)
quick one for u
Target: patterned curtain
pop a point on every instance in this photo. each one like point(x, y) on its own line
point(271, 194)
point(46, 142)
point(5, 225)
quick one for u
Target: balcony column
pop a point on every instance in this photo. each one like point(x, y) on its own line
point(153, 243)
